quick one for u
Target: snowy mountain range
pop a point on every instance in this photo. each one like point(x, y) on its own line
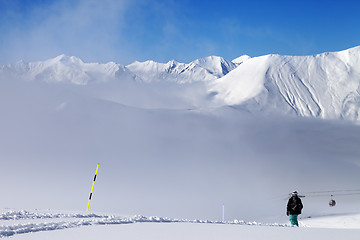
point(324, 86)
point(63, 69)
point(204, 69)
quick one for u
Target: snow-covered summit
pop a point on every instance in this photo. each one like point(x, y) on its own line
point(216, 65)
point(241, 59)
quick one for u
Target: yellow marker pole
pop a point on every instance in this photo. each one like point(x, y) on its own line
point(223, 212)
point(92, 188)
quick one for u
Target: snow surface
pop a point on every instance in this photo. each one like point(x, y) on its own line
point(50, 225)
point(181, 231)
point(77, 220)
point(181, 149)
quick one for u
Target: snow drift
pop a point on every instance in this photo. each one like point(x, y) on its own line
point(58, 221)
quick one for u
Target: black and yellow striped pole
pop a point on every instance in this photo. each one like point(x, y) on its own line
point(92, 188)
point(223, 212)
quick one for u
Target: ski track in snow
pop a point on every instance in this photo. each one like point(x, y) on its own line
point(78, 220)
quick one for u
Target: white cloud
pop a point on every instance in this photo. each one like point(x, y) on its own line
point(84, 28)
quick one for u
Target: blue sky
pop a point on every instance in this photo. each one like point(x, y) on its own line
point(127, 30)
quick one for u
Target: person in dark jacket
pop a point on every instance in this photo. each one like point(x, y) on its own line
point(294, 208)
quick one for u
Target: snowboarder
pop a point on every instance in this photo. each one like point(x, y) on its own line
point(294, 208)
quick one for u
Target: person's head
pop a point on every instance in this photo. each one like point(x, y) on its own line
point(294, 193)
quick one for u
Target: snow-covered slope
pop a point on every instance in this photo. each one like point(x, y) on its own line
point(204, 69)
point(325, 85)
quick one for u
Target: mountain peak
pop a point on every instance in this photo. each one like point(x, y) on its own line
point(66, 59)
point(241, 59)
point(208, 59)
point(216, 65)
